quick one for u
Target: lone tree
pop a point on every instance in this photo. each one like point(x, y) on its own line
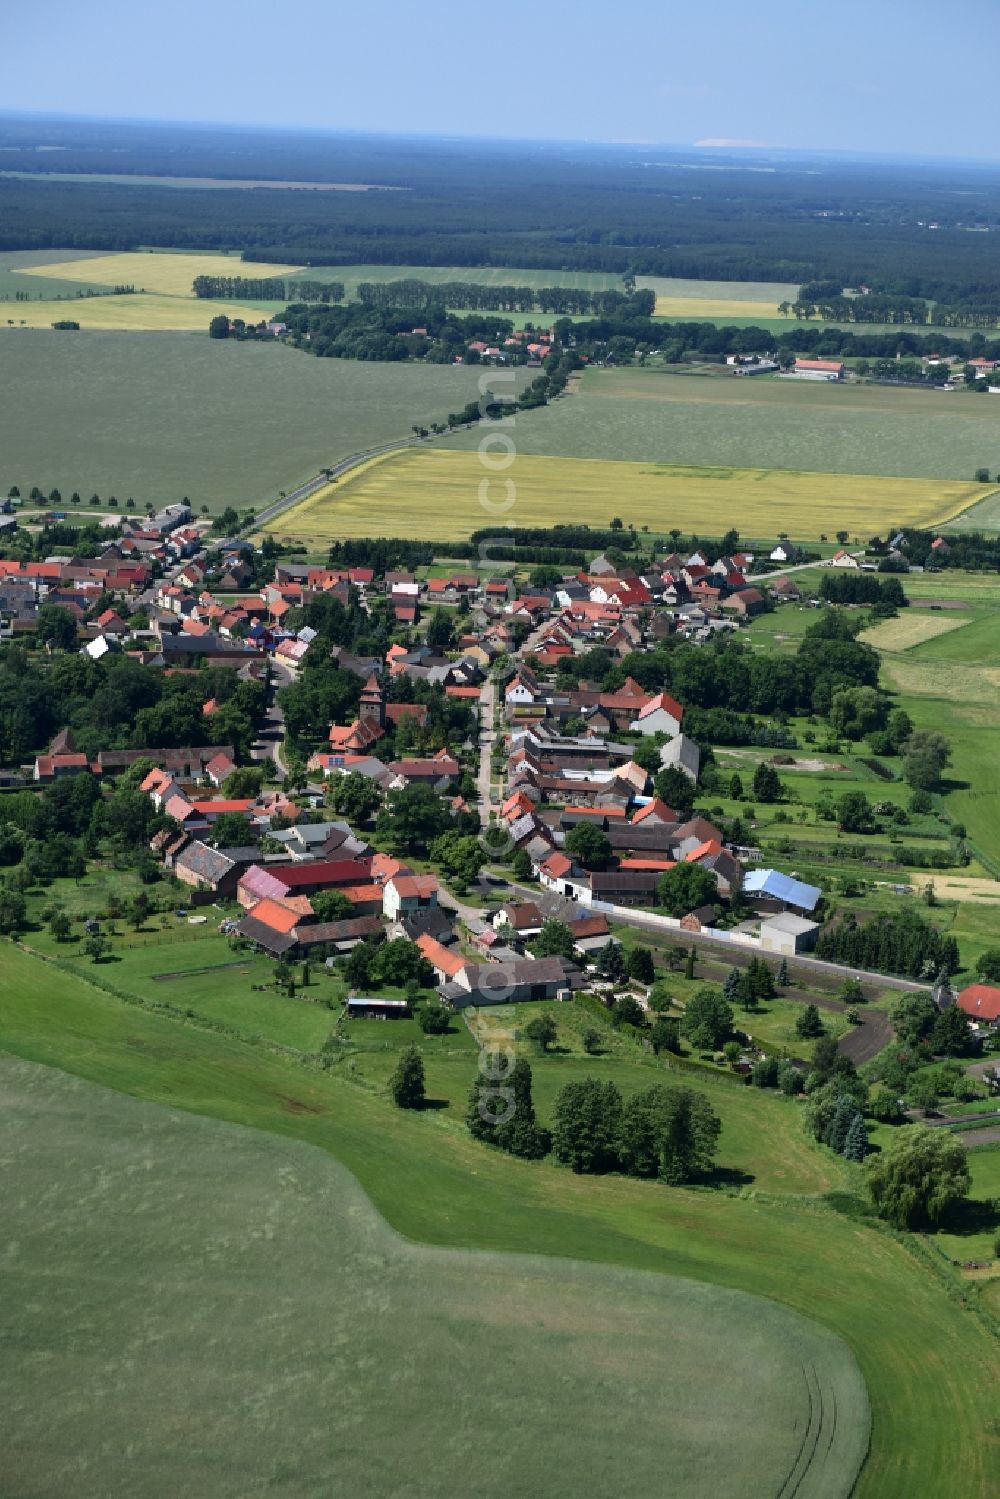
point(407, 1085)
point(808, 1024)
point(542, 1031)
point(588, 844)
point(925, 755)
point(766, 784)
point(686, 887)
point(59, 926)
point(665, 1035)
point(640, 965)
point(628, 1011)
point(609, 963)
point(555, 940)
point(708, 1020)
point(918, 1177)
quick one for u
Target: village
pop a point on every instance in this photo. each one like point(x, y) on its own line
point(579, 800)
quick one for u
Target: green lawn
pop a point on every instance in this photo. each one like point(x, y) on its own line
point(928, 1362)
point(763, 1141)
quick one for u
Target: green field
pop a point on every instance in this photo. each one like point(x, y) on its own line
point(157, 416)
point(444, 494)
point(928, 1361)
point(950, 682)
point(516, 1359)
point(982, 517)
point(652, 416)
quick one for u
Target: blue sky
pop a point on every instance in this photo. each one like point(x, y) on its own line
point(887, 76)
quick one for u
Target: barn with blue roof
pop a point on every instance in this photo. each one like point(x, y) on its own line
point(770, 890)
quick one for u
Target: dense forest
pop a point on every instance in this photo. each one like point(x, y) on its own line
point(560, 206)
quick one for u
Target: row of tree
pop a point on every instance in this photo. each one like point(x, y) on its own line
point(240, 288)
point(479, 296)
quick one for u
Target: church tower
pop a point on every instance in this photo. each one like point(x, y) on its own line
point(372, 707)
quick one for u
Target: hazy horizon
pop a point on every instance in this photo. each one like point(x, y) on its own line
point(850, 79)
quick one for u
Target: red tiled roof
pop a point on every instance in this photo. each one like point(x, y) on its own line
point(655, 808)
point(419, 885)
point(710, 846)
point(981, 1002)
point(278, 918)
point(439, 957)
point(666, 702)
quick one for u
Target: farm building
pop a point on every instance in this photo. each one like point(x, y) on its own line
point(788, 934)
point(375, 1007)
point(511, 983)
point(819, 369)
point(206, 868)
point(769, 890)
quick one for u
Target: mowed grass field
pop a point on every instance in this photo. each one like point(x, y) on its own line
point(650, 415)
point(912, 628)
point(928, 1361)
point(158, 416)
point(944, 664)
point(442, 495)
point(519, 1359)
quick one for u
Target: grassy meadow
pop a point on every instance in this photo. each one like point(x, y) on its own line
point(657, 416)
point(519, 1356)
point(948, 679)
point(443, 494)
point(928, 1360)
point(159, 416)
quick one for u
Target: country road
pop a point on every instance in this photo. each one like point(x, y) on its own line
point(270, 738)
point(486, 741)
point(335, 471)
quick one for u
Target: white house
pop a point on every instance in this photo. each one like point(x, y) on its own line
point(684, 753)
point(405, 893)
point(660, 715)
point(518, 692)
point(520, 919)
point(844, 559)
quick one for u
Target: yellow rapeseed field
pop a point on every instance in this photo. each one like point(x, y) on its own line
point(442, 495)
point(170, 274)
point(131, 314)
